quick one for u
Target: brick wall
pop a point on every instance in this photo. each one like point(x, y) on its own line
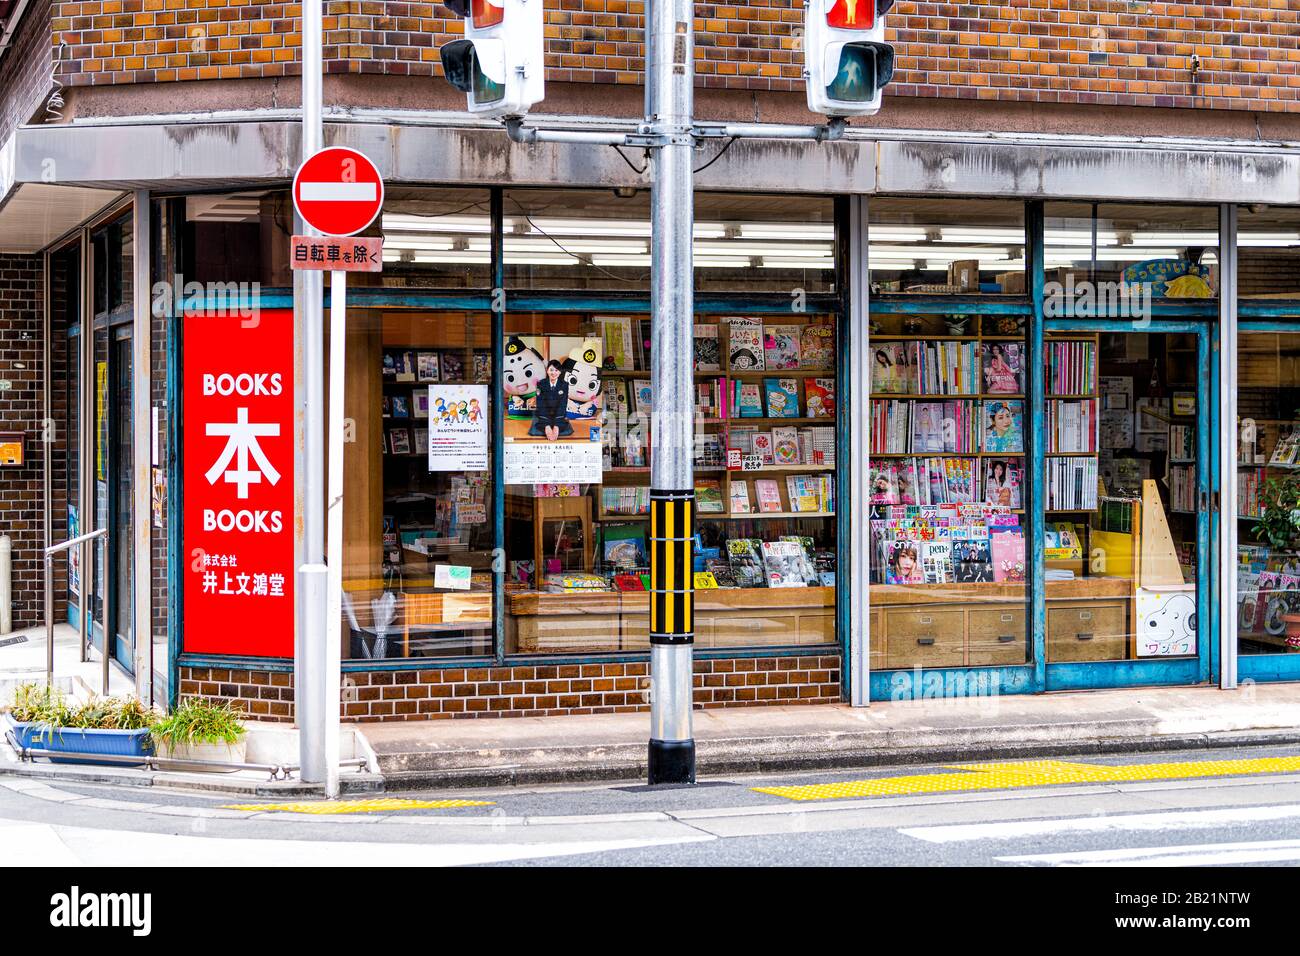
point(22, 409)
point(1111, 52)
point(26, 70)
point(527, 690)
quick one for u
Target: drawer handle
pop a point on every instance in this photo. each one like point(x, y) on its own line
point(927, 620)
point(1006, 638)
point(1085, 615)
point(1084, 636)
point(925, 641)
point(1008, 618)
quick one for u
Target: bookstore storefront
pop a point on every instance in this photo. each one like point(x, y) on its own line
point(1029, 507)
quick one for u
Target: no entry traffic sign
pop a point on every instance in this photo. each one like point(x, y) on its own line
point(338, 191)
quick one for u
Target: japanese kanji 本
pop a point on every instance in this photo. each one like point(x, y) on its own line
point(241, 442)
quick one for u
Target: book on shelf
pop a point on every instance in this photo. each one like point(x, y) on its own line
point(1071, 368)
point(708, 356)
point(819, 397)
point(810, 493)
point(899, 535)
point(705, 581)
point(1061, 542)
point(781, 346)
point(709, 399)
point(406, 366)
point(1182, 488)
point(1072, 425)
point(784, 564)
point(616, 340)
point(891, 368)
point(624, 546)
point(616, 402)
point(452, 367)
point(749, 400)
point(761, 445)
point(739, 492)
point(426, 367)
point(785, 446)
point(817, 346)
point(1071, 484)
point(642, 396)
point(946, 368)
point(746, 560)
point(806, 543)
point(1002, 478)
point(421, 409)
point(722, 572)
point(708, 496)
point(482, 367)
point(1003, 368)
point(629, 582)
point(769, 495)
point(1004, 426)
point(972, 562)
point(781, 395)
point(950, 426)
point(1182, 443)
point(420, 436)
point(400, 441)
point(707, 450)
point(1007, 549)
point(1286, 449)
point(745, 344)
point(625, 499)
point(401, 406)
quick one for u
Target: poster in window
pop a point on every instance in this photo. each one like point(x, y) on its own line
point(554, 406)
point(458, 428)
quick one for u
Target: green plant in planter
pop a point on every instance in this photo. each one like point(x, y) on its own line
point(1279, 522)
point(199, 721)
point(40, 704)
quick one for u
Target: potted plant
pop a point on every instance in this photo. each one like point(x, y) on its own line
point(42, 718)
point(200, 729)
point(1279, 525)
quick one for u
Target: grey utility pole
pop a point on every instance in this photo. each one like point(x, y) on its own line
point(669, 96)
point(311, 680)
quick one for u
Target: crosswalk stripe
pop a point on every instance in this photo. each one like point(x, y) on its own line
point(1205, 854)
point(1173, 820)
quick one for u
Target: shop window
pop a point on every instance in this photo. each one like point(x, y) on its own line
point(1095, 252)
point(600, 240)
point(1268, 255)
point(578, 446)
point(238, 238)
point(947, 246)
point(436, 237)
point(1122, 496)
point(1268, 546)
point(418, 520)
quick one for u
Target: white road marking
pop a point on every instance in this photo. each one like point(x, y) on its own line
point(1173, 820)
point(47, 845)
point(1205, 854)
point(337, 192)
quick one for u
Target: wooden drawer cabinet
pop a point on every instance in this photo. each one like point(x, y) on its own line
point(996, 637)
point(876, 655)
point(928, 637)
point(1087, 631)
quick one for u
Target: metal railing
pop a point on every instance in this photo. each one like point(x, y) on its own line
point(86, 577)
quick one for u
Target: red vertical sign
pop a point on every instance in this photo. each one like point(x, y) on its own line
point(238, 454)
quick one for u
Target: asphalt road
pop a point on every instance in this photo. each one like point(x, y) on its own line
point(1230, 816)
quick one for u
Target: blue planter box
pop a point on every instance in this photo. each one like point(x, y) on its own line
point(117, 743)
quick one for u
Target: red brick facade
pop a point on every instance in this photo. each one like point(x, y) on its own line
point(1115, 52)
point(21, 410)
point(527, 690)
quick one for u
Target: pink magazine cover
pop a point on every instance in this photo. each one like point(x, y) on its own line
point(1008, 551)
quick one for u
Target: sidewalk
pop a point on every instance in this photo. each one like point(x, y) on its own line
point(23, 661)
point(508, 751)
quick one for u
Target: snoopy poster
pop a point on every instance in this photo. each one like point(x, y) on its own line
point(458, 428)
point(1166, 623)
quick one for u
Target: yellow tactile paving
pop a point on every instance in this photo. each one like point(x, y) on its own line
point(380, 805)
point(1031, 773)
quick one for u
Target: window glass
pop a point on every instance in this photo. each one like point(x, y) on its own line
point(239, 238)
point(600, 240)
point(436, 237)
point(418, 522)
point(947, 246)
point(1268, 254)
point(578, 445)
point(1093, 250)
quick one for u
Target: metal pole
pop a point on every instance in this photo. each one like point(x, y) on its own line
point(47, 455)
point(141, 520)
point(309, 694)
point(333, 627)
point(859, 281)
point(85, 439)
point(1228, 445)
point(669, 77)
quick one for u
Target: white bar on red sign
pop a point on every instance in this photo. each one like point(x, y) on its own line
point(338, 192)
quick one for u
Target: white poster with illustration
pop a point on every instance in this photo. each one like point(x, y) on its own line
point(458, 428)
point(1166, 623)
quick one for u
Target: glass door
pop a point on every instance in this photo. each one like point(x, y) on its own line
point(1126, 530)
point(120, 536)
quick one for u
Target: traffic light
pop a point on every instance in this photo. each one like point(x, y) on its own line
point(847, 62)
point(500, 63)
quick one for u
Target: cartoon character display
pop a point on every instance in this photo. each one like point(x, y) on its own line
point(582, 372)
point(1166, 623)
point(475, 413)
point(521, 370)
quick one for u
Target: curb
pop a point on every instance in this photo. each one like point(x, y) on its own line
point(848, 759)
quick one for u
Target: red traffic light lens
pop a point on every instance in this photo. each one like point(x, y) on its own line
point(487, 14)
point(848, 15)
